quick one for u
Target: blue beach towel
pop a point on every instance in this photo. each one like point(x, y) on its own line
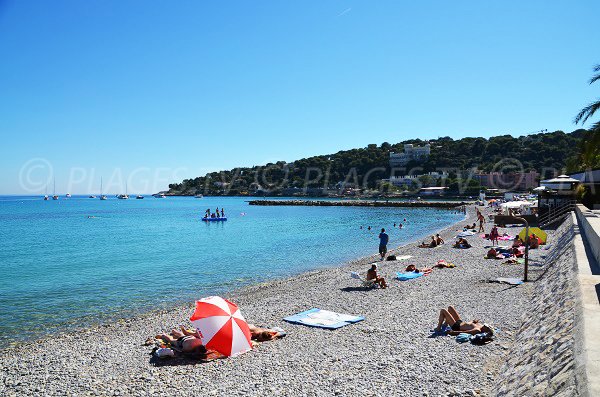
point(407, 276)
point(323, 319)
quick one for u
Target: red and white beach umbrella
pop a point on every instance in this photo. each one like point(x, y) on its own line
point(221, 326)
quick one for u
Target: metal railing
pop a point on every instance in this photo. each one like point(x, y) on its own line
point(556, 213)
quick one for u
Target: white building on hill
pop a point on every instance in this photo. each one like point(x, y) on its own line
point(411, 152)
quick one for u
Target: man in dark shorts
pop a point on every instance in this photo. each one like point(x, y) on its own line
point(383, 241)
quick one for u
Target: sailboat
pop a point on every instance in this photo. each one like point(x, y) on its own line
point(46, 198)
point(102, 196)
point(124, 196)
point(54, 196)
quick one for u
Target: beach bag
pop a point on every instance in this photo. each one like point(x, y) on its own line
point(391, 258)
point(482, 339)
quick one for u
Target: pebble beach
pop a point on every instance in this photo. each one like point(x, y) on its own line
point(389, 353)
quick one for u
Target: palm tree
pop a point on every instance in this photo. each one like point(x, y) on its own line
point(590, 109)
point(589, 156)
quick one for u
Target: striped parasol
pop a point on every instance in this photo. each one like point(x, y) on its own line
point(221, 326)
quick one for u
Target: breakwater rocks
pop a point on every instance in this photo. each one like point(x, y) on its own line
point(542, 359)
point(362, 203)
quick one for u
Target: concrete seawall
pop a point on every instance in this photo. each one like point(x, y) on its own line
point(554, 351)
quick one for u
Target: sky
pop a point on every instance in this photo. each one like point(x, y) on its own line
point(146, 93)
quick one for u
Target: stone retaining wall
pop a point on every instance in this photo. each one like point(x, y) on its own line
point(542, 361)
point(362, 203)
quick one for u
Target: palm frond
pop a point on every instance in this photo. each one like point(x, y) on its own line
point(587, 112)
point(597, 76)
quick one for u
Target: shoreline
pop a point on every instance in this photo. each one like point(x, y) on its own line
point(66, 328)
point(391, 341)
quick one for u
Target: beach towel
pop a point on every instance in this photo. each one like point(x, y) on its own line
point(323, 319)
point(403, 257)
point(463, 337)
point(465, 234)
point(408, 275)
point(511, 281)
point(506, 237)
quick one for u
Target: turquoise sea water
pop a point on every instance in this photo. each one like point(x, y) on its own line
point(74, 261)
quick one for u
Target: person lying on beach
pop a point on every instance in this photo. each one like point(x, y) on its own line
point(263, 334)
point(517, 251)
point(441, 264)
point(432, 243)
point(413, 268)
point(372, 275)
point(449, 317)
point(462, 243)
point(492, 254)
point(439, 240)
point(185, 341)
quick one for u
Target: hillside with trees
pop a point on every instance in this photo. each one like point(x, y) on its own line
point(366, 167)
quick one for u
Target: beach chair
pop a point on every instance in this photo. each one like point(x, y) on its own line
point(365, 283)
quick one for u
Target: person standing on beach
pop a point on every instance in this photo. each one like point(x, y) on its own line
point(383, 241)
point(481, 221)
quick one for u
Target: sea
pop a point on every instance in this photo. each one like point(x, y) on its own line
point(79, 261)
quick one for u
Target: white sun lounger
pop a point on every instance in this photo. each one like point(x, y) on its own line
point(365, 283)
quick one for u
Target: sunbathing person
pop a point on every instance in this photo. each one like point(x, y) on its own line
point(462, 243)
point(262, 334)
point(372, 275)
point(413, 268)
point(185, 342)
point(517, 242)
point(432, 243)
point(534, 242)
point(449, 317)
point(492, 254)
point(439, 240)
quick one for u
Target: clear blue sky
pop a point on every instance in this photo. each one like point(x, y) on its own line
point(153, 92)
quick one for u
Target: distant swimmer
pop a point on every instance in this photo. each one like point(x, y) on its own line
point(404, 219)
point(369, 228)
point(400, 226)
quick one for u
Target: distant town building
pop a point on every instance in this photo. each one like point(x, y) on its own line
point(411, 152)
point(409, 180)
point(433, 191)
point(512, 180)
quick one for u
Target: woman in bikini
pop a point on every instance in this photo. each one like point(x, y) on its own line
point(449, 317)
point(185, 341)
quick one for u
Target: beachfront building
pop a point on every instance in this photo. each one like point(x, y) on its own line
point(520, 181)
point(411, 152)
